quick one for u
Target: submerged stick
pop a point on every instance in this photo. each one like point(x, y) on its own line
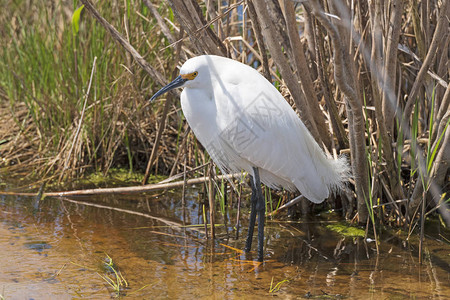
point(289, 204)
point(172, 224)
point(123, 190)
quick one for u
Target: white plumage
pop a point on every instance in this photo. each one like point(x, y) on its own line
point(244, 122)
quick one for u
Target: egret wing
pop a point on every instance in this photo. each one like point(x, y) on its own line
point(259, 128)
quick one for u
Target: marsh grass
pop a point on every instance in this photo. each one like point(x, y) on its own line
point(113, 277)
point(387, 106)
point(275, 288)
point(47, 60)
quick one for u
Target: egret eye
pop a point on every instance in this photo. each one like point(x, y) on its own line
point(189, 76)
point(192, 75)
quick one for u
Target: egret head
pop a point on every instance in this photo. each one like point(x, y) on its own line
point(192, 74)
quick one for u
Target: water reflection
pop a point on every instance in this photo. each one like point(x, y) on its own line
point(57, 248)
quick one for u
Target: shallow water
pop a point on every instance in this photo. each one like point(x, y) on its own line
point(59, 249)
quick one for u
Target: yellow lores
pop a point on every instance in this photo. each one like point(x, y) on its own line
point(189, 76)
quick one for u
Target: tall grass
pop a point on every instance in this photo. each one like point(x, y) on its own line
point(46, 66)
point(380, 87)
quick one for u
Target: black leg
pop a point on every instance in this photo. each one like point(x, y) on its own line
point(261, 209)
point(251, 225)
point(257, 207)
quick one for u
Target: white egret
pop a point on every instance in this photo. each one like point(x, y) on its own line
point(245, 124)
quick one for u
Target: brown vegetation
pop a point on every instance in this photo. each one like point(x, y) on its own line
point(373, 83)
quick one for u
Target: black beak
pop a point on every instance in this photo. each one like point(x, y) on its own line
point(177, 82)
